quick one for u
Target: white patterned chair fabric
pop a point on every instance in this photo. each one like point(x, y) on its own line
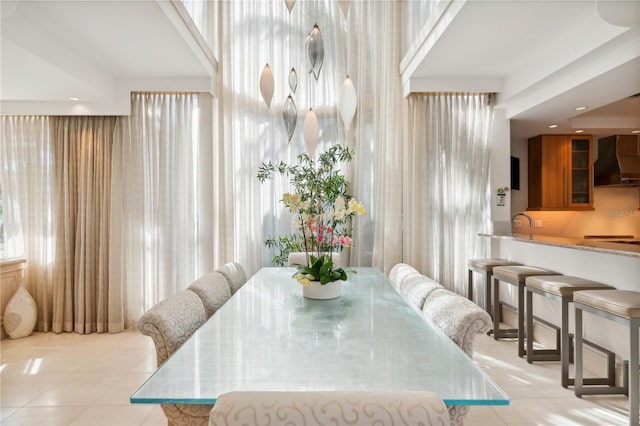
point(235, 275)
point(400, 272)
point(457, 316)
point(169, 324)
point(417, 288)
point(213, 289)
point(461, 320)
point(329, 408)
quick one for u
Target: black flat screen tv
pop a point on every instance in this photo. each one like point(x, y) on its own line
point(515, 173)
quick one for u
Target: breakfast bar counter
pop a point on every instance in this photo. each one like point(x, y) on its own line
point(615, 264)
point(613, 245)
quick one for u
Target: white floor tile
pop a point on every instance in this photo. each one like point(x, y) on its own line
point(71, 379)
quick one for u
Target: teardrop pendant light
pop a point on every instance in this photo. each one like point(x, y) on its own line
point(266, 85)
point(348, 101)
point(344, 7)
point(311, 132)
point(290, 4)
point(315, 50)
point(293, 80)
point(289, 116)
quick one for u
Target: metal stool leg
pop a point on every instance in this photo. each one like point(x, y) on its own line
point(634, 416)
point(565, 351)
point(578, 384)
point(521, 351)
point(487, 293)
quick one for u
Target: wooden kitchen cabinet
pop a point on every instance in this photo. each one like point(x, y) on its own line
point(560, 172)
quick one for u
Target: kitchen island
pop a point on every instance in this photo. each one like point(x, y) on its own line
point(616, 264)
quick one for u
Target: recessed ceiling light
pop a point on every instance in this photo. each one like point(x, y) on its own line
point(553, 126)
point(581, 108)
point(579, 131)
point(74, 98)
point(635, 131)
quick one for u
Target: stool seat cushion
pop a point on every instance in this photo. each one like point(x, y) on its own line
point(562, 285)
point(518, 273)
point(489, 264)
point(625, 303)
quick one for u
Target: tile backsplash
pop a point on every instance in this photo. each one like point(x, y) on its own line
point(617, 212)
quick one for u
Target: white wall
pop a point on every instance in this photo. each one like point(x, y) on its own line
point(500, 171)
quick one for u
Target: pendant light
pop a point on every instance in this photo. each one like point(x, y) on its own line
point(347, 103)
point(266, 85)
point(289, 116)
point(315, 50)
point(293, 80)
point(290, 4)
point(344, 7)
point(311, 132)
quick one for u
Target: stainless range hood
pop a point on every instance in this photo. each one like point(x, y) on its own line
point(618, 162)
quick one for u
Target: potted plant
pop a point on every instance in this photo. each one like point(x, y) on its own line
point(322, 209)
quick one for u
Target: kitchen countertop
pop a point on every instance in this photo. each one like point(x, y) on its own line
point(621, 249)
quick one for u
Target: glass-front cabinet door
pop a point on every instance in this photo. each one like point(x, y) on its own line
point(580, 191)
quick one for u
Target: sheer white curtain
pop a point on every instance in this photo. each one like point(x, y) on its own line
point(446, 191)
point(26, 178)
point(155, 201)
point(365, 45)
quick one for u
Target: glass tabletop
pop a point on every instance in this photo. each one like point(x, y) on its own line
point(269, 337)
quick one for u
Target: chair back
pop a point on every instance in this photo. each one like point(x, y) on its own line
point(172, 321)
point(235, 275)
point(417, 288)
point(329, 408)
point(213, 289)
point(400, 272)
point(457, 316)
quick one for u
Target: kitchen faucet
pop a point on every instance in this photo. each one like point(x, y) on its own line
point(528, 217)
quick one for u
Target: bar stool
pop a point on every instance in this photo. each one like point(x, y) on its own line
point(622, 306)
point(485, 266)
point(514, 275)
point(559, 287)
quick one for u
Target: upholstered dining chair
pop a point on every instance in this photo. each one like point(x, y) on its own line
point(213, 289)
point(169, 324)
point(461, 320)
point(336, 408)
point(417, 288)
point(235, 275)
point(400, 272)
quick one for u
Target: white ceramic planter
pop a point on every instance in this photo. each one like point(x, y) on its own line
point(322, 292)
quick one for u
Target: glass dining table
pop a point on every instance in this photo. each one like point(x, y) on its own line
point(268, 337)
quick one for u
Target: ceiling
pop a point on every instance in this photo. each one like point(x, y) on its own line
point(543, 58)
point(97, 51)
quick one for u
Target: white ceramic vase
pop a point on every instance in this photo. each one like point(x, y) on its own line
point(20, 315)
point(318, 291)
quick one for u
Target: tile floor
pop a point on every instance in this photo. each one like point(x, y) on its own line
point(71, 379)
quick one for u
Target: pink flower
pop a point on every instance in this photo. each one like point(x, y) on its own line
point(345, 241)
